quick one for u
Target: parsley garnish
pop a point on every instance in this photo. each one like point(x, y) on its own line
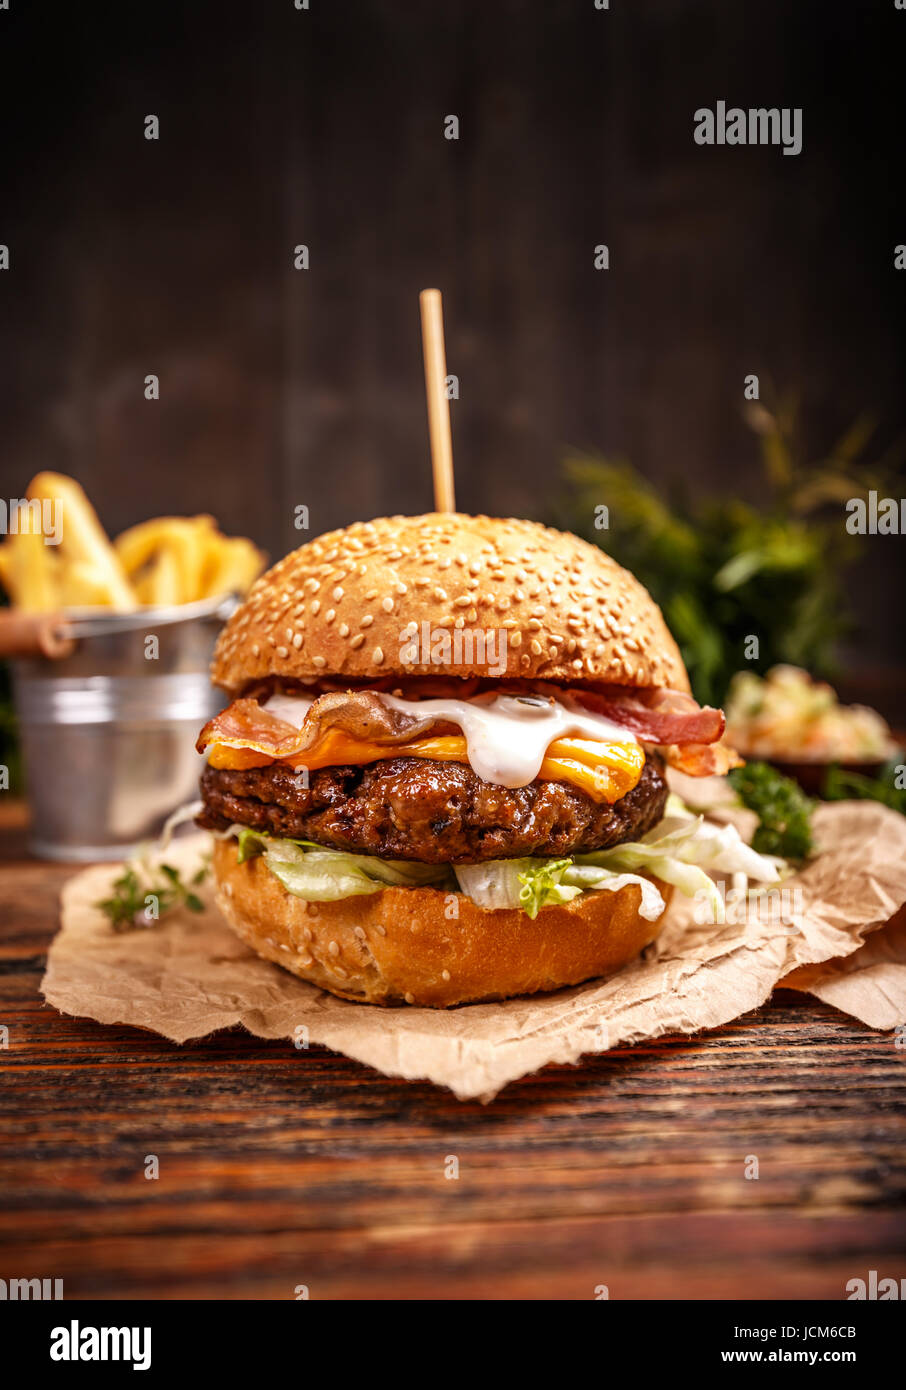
point(783, 809)
point(142, 899)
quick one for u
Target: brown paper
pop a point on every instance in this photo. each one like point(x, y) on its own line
point(190, 975)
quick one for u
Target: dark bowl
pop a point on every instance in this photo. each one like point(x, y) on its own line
point(811, 775)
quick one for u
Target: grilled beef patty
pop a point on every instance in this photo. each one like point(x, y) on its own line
point(434, 812)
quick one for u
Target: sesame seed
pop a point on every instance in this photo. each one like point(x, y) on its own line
point(357, 640)
point(333, 948)
point(377, 655)
point(297, 640)
point(283, 651)
point(366, 621)
point(337, 594)
point(319, 661)
point(409, 998)
point(535, 647)
point(343, 629)
point(316, 606)
point(387, 605)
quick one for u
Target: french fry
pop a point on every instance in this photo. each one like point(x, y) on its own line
point(6, 570)
point(233, 565)
point(190, 547)
point(80, 586)
point(160, 584)
point(84, 539)
point(137, 546)
point(32, 569)
point(186, 538)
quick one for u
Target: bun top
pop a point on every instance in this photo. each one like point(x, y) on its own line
point(356, 603)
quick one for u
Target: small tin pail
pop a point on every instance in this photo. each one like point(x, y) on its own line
point(108, 732)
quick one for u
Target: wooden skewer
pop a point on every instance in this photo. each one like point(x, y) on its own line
point(438, 404)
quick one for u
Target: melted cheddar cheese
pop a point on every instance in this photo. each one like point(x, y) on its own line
point(605, 771)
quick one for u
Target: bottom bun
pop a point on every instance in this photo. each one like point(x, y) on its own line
point(424, 946)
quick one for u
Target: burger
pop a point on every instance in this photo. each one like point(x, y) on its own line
point(441, 775)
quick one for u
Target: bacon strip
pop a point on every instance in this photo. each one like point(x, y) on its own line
point(658, 715)
point(245, 724)
point(360, 714)
point(702, 759)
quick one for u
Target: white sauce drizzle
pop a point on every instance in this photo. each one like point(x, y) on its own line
point(506, 737)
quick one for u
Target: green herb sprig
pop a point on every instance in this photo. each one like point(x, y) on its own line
point(128, 908)
point(840, 784)
point(784, 811)
point(722, 568)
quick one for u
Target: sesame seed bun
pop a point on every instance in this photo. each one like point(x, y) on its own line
point(343, 605)
point(400, 946)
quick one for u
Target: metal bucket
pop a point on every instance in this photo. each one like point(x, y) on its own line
point(108, 733)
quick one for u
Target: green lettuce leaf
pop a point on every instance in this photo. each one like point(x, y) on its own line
point(681, 850)
point(507, 883)
point(322, 875)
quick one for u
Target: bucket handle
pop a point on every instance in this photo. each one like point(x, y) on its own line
point(34, 634)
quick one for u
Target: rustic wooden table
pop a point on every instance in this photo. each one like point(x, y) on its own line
point(281, 1168)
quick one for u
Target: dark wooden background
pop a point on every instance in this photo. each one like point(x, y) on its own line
point(280, 1168)
point(326, 127)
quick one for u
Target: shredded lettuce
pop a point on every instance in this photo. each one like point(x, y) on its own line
point(683, 850)
point(535, 883)
point(506, 883)
point(321, 875)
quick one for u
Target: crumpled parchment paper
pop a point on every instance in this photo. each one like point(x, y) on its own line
point(189, 975)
